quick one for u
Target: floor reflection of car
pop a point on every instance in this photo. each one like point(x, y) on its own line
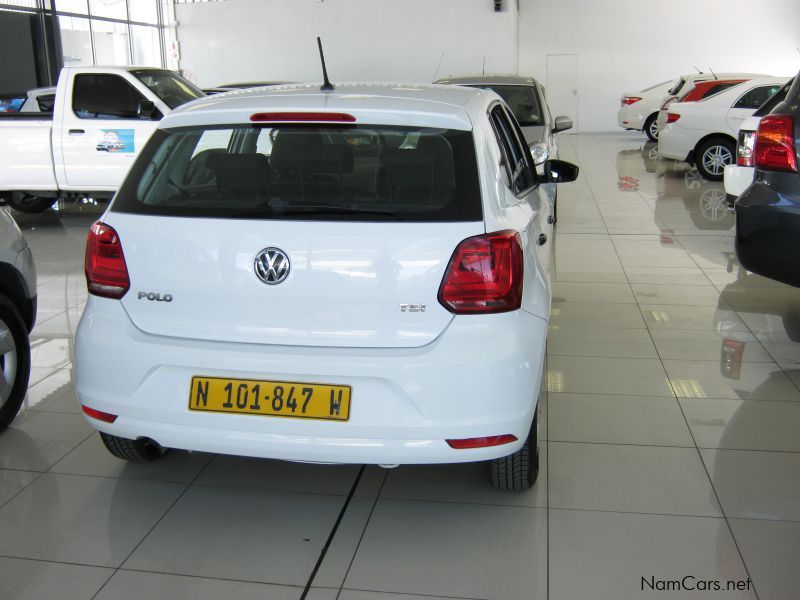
point(770, 324)
point(704, 200)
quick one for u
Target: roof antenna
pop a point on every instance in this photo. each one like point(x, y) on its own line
point(712, 72)
point(483, 71)
point(438, 66)
point(326, 86)
point(698, 70)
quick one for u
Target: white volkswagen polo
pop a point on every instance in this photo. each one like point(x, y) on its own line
point(358, 275)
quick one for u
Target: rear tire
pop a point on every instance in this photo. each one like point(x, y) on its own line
point(651, 127)
point(15, 361)
point(518, 472)
point(28, 203)
point(141, 450)
point(713, 155)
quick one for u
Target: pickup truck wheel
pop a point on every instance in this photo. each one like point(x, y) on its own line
point(15, 361)
point(518, 472)
point(28, 203)
point(651, 127)
point(141, 450)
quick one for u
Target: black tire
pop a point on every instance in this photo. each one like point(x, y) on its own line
point(711, 156)
point(650, 128)
point(28, 203)
point(555, 208)
point(141, 450)
point(15, 361)
point(518, 472)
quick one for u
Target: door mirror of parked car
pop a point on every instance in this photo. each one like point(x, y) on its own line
point(559, 171)
point(148, 110)
point(562, 124)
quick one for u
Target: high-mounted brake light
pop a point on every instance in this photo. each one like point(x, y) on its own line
point(484, 275)
point(672, 117)
point(106, 271)
point(481, 442)
point(628, 100)
point(302, 117)
point(98, 414)
point(774, 149)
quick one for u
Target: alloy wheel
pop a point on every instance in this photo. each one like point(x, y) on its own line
point(715, 158)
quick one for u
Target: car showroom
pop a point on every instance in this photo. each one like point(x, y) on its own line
point(399, 300)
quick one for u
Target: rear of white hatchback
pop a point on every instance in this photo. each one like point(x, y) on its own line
point(358, 276)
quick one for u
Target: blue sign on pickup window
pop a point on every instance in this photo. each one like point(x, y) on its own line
point(117, 141)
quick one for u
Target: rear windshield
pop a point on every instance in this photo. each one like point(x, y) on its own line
point(774, 100)
point(306, 172)
point(523, 100)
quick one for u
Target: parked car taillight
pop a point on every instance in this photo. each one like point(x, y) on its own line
point(628, 100)
point(668, 101)
point(672, 117)
point(744, 148)
point(774, 149)
point(106, 271)
point(484, 275)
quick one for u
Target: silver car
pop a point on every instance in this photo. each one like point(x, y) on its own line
point(17, 316)
point(526, 98)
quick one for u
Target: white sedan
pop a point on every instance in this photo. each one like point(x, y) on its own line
point(358, 275)
point(704, 133)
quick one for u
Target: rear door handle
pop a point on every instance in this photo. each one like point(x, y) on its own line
point(76, 131)
point(542, 239)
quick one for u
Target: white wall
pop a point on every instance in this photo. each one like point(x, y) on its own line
point(383, 40)
point(627, 45)
point(623, 45)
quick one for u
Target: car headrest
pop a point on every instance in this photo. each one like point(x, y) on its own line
point(309, 152)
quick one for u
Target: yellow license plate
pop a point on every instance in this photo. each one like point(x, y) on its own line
point(272, 398)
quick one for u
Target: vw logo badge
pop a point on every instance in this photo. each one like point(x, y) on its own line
point(271, 266)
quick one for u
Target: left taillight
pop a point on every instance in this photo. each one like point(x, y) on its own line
point(774, 148)
point(106, 271)
point(672, 117)
point(484, 275)
point(628, 100)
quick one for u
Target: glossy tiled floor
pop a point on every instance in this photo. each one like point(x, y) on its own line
point(672, 425)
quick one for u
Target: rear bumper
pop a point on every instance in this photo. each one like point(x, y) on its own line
point(672, 143)
point(479, 378)
point(737, 179)
point(631, 117)
point(768, 233)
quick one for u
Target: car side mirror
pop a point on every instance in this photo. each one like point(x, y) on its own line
point(559, 171)
point(562, 123)
point(148, 110)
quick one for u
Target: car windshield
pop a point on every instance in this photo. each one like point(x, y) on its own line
point(523, 100)
point(673, 91)
point(173, 89)
point(312, 172)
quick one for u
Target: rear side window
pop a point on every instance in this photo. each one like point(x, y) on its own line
point(673, 91)
point(757, 96)
point(99, 96)
point(311, 172)
point(716, 89)
point(776, 99)
point(518, 159)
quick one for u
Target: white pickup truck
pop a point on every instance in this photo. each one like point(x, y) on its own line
point(102, 116)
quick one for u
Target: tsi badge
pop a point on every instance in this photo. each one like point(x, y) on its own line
point(271, 266)
point(152, 296)
point(412, 308)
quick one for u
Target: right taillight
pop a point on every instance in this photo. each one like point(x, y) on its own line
point(106, 271)
point(628, 100)
point(744, 148)
point(672, 117)
point(484, 275)
point(774, 149)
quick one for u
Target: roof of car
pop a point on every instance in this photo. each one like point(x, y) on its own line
point(377, 103)
point(487, 79)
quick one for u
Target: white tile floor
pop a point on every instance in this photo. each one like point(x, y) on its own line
point(672, 441)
